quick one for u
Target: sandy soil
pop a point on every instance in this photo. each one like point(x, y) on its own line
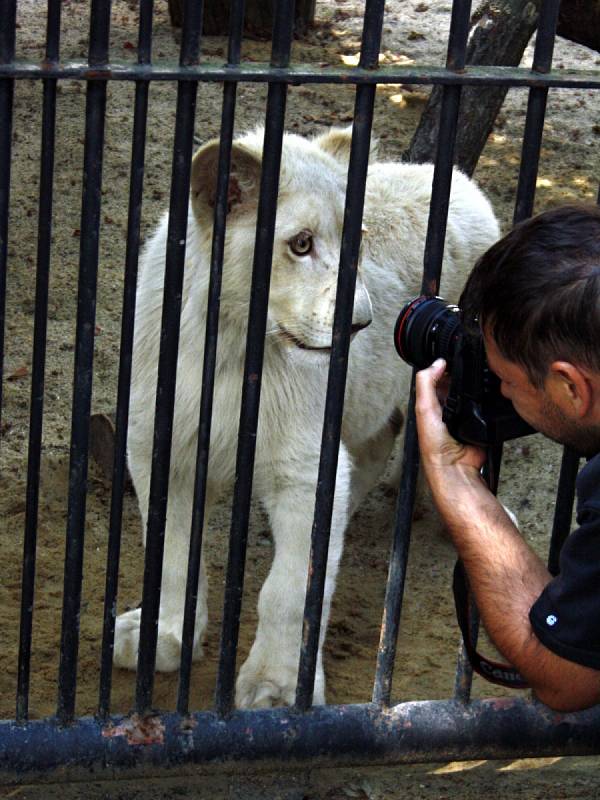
point(428, 643)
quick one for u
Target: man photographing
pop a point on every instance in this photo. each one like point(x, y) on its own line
point(536, 295)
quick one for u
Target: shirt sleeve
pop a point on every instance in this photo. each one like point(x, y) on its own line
point(566, 616)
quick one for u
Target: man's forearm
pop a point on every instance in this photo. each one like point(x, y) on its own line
point(506, 578)
point(506, 575)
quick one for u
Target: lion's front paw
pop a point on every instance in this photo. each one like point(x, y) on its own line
point(127, 638)
point(261, 684)
point(256, 693)
point(168, 648)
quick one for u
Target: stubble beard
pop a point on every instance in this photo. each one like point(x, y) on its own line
point(584, 440)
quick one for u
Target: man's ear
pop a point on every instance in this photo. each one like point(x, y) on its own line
point(244, 179)
point(571, 388)
point(337, 142)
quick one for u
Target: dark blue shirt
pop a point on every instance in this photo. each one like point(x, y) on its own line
point(566, 616)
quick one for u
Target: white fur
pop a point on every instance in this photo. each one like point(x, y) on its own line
point(301, 306)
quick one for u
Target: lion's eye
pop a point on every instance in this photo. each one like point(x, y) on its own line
point(301, 244)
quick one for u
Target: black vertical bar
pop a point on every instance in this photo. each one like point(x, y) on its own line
point(530, 155)
point(464, 671)
point(565, 499)
point(442, 176)
point(167, 364)
point(336, 383)
point(210, 358)
point(394, 592)
point(463, 679)
point(84, 356)
point(434, 252)
point(38, 362)
point(536, 111)
point(127, 329)
point(7, 54)
point(257, 323)
point(236, 30)
point(524, 208)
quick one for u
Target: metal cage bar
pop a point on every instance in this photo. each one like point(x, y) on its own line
point(463, 680)
point(565, 499)
point(524, 206)
point(257, 321)
point(84, 356)
point(7, 54)
point(432, 266)
point(398, 562)
point(426, 731)
point(210, 357)
point(38, 361)
point(536, 112)
point(530, 155)
point(464, 671)
point(338, 363)
point(167, 364)
point(140, 114)
point(216, 71)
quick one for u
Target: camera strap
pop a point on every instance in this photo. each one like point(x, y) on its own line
point(492, 671)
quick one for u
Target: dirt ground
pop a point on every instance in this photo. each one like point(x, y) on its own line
point(413, 32)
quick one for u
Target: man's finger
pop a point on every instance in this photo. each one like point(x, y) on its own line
point(427, 380)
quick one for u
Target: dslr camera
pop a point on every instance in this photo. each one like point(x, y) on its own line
point(475, 411)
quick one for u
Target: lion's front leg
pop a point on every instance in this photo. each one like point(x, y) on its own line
point(270, 673)
point(172, 598)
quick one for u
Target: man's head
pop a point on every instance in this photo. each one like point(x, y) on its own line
point(536, 295)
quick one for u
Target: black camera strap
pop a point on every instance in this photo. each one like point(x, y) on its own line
point(492, 671)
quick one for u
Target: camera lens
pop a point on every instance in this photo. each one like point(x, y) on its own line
point(427, 328)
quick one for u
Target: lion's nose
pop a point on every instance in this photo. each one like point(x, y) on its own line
point(358, 326)
point(362, 313)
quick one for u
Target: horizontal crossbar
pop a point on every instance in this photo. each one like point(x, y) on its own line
point(305, 73)
point(345, 734)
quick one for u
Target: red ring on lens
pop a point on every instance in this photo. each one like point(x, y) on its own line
point(403, 320)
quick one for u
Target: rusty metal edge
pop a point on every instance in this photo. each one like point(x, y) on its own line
point(412, 732)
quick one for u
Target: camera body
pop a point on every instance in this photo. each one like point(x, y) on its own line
point(475, 411)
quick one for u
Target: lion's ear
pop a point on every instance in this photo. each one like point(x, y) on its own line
point(244, 178)
point(337, 142)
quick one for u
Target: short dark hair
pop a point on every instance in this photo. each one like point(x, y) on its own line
point(537, 291)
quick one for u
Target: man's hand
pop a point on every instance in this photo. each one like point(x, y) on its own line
point(438, 449)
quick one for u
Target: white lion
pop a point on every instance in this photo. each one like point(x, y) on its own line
point(301, 306)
